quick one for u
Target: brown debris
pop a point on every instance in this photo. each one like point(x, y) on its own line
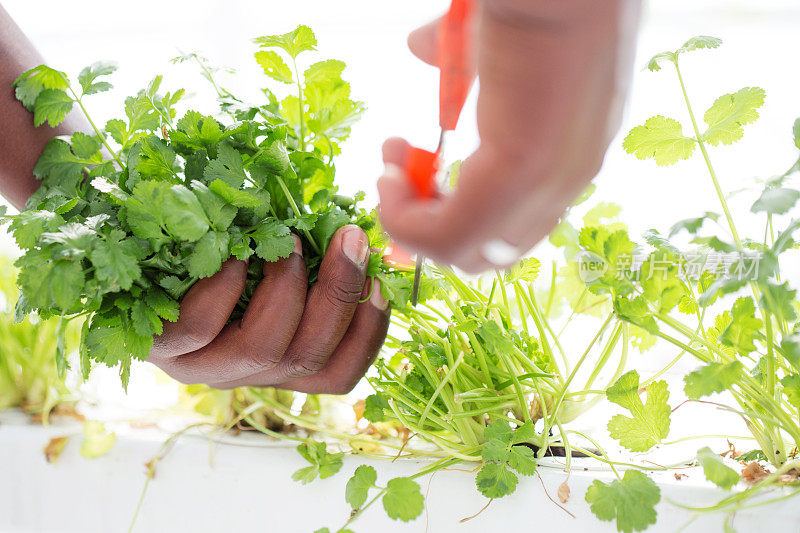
point(680, 476)
point(563, 492)
point(753, 473)
point(731, 452)
point(358, 408)
point(54, 448)
point(792, 476)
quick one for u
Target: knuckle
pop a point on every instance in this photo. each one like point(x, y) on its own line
point(197, 334)
point(306, 364)
point(341, 387)
point(341, 292)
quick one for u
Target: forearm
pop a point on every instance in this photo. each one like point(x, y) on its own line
point(20, 142)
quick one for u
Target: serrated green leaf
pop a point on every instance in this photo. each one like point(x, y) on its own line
point(711, 378)
point(208, 254)
point(115, 263)
point(88, 77)
point(692, 225)
point(651, 420)
point(273, 241)
point(779, 300)
point(791, 388)
point(701, 42)
point(32, 82)
point(631, 501)
point(374, 407)
point(323, 463)
point(776, 201)
point(496, 480)
point(358, 486)
point(403, 499)
point(661, 139)
point(295, 42)
point(715, 470)
point(741, 332)
point(523, 460)
point(274, 66)
point(51, 106)
point(227, 167)
point(235, 197)
point(730, 112)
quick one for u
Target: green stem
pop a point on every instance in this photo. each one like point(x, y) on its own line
point(297, 213)
point(699, 139)
point(96, 129)
point(301, 105)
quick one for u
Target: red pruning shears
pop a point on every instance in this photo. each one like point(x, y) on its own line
point(457, 72)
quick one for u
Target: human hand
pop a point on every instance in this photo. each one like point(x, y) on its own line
point(553, 79)
point(320, 342)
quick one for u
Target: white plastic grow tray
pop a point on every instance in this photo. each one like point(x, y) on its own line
point(248, 488)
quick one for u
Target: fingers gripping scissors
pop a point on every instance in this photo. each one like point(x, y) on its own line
point(425, 170)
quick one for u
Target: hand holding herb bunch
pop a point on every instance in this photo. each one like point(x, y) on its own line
point(235, 216)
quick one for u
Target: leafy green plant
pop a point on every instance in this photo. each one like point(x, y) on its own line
point(737, 316)
point(33, 353)
point(130, 216)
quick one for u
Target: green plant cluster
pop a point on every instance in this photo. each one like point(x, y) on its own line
point(132, 214)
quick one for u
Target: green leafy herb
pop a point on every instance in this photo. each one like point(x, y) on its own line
point(631, 501)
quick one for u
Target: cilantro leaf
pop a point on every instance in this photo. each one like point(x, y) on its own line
point(692, 225)
point(701, 42)
point(741, 332)
point(227, 167)
point(631, 501)
point(208, 254)
point(779, 300)
point(374, 407)
point(730, 112)
point(651, 420)
point(32, 82)
point(234, 196)
point(274, 66)
point(358, 486)
point(324, 71)
point(711, 378)
point(776, 201)
point(51, 106)
point(403, 499)
point(116, 265)
point(791, 388)
point(88, 77)
point(661, 139)
point(495, 480)
point(323, 463)
point(273, 240)
point(715, 470)
point(295, 42)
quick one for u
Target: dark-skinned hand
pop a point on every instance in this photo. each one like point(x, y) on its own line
point(317, 340)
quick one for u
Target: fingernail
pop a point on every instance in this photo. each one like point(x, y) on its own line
point(356, 246)
point(376, 298)
point(298, 245)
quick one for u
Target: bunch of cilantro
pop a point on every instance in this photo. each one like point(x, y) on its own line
point(131, 215)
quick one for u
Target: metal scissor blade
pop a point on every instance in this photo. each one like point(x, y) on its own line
point(417, 279)
point(441, 182)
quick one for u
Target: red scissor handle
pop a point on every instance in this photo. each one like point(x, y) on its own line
point(421, 168)
point(457, 72)
point(455, 60)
